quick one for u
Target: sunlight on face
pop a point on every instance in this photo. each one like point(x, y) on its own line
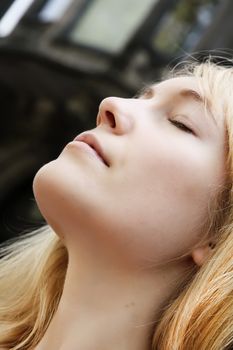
point(138, 185)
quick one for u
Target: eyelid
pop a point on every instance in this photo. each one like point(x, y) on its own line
point(183, 120)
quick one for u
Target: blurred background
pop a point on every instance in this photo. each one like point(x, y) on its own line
point(60, 58)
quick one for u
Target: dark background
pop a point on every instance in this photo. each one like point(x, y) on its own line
point(60, 58)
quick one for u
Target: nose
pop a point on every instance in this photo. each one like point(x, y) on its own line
point(114, 114)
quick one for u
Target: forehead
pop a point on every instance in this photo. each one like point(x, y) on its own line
point(178, 83)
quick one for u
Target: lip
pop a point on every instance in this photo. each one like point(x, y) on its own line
point(92, 142)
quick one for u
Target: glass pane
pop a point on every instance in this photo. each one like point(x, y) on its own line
point(4, 5)
point(108, 24)
point(13, 15)
point(182, 27)
point(53, 10)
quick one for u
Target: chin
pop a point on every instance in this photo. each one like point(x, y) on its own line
point(45, 187)
point(48, 189)
point(60, 190)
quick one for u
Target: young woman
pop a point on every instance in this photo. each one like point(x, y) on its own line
point(138, 250)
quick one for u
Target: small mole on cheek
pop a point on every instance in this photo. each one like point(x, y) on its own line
point(130, 304)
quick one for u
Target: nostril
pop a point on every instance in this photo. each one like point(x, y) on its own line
point(111, 119)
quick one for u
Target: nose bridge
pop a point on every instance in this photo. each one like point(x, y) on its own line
point(120, 110)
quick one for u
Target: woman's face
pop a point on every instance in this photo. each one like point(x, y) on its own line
point(151, 199)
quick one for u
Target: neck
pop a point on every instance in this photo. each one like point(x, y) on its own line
point(104, 307)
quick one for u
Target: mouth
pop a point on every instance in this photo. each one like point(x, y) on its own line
point(93, 143)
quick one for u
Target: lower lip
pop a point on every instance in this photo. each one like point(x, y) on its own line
point(85, 147)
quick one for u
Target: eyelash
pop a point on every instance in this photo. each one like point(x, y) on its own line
point(181, 126)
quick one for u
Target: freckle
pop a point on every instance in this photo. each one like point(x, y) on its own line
point(130, 304)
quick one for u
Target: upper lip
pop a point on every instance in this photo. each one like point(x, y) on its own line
point(92, 141)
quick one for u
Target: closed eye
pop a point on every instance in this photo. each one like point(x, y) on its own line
point(181, 126)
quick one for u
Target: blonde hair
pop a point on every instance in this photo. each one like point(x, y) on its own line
point(200, 315)
point(32, 274)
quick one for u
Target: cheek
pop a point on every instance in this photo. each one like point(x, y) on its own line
point(180, 174)
point(184, 172)
point(164, 202)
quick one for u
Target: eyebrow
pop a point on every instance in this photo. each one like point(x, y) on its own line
point(149, 91)
point(192, 94)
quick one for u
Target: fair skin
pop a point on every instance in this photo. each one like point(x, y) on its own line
point(131, 227)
